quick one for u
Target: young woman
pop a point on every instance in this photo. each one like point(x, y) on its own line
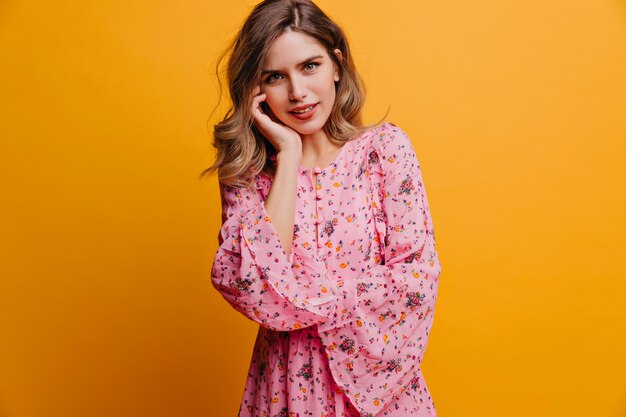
point(327, 240)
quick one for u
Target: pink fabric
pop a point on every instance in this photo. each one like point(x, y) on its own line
point(345, 316)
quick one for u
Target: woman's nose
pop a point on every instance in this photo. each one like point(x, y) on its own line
point(297, 90)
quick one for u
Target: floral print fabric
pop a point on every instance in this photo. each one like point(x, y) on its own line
point(345, 316)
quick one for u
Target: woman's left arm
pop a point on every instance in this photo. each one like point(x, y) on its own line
point(392, 304)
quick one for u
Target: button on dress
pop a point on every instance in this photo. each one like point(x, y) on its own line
point(345, 316)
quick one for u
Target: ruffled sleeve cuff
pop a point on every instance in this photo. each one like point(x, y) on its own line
point(305, 286)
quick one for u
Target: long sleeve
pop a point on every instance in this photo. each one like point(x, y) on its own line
point(254, 274)
point(379, 331)
point(411, 266)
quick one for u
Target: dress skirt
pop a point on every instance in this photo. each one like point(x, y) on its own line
point(289, 376)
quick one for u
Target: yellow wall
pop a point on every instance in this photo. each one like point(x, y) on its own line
point(518, 114)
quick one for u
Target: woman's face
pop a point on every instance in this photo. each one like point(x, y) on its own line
point(298, 73)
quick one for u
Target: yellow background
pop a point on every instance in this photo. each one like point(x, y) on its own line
point(518, 114)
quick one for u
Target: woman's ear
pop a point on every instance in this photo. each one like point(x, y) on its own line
point(340, 58)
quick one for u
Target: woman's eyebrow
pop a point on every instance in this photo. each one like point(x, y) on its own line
point(267, 71)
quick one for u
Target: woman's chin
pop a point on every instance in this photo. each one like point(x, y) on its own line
point(306, 128)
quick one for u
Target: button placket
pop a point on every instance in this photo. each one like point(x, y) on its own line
point(317, 185)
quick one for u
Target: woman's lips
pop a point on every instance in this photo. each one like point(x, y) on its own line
point(305, 115)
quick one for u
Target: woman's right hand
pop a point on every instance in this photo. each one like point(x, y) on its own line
point(281, 136)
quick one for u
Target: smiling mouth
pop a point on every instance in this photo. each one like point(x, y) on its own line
point(303, 111)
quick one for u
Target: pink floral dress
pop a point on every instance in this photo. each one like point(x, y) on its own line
point(345, 316)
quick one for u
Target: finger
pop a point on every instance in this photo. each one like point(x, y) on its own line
point(256, 103)
point(256, 92)
point(260, 118)
point(258, 97)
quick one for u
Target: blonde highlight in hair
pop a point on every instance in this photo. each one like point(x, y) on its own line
point(242, 151)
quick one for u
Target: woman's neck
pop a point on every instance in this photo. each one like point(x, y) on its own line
point(317, 150)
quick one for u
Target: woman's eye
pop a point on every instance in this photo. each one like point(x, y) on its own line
point(272, 78)
point(311, 66)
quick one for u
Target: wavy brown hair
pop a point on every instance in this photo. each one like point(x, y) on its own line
point(242, 151)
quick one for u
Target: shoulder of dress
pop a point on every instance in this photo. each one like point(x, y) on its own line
point(262, 185)
point(390, 146)
point(388, 133)
point(241, 192)
point(380, 137)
